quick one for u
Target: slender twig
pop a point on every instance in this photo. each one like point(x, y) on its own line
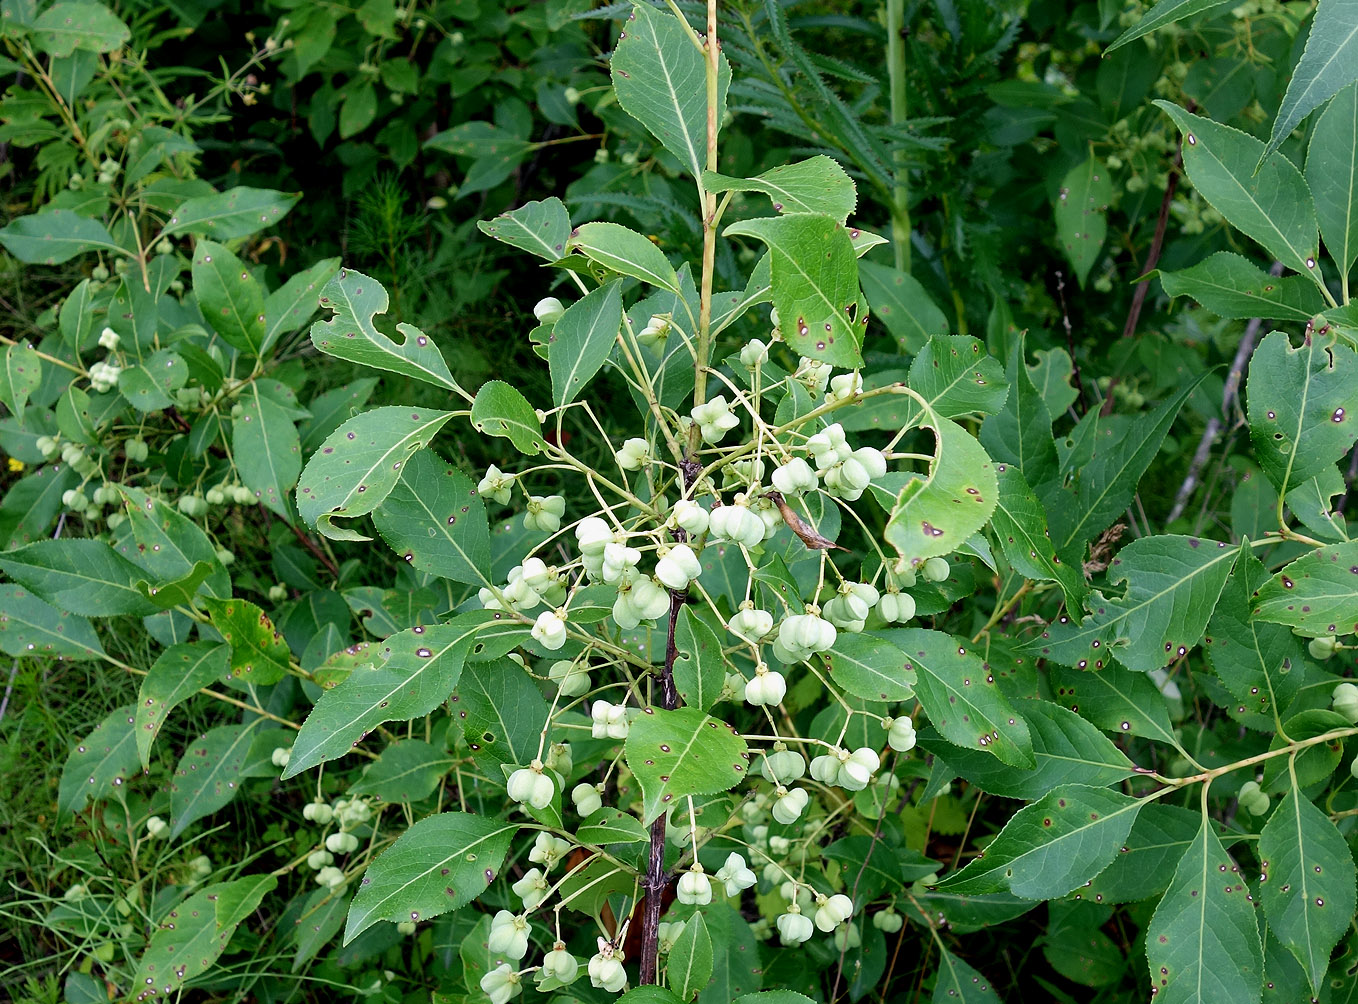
point(1157, 243)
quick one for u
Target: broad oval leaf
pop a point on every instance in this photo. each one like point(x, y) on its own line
point(84, 577)
point(209, 773)
point(90, 27)
point(20, 376)
point(611, 826)
point(540, 228)
point(99, 762)
point(625, 251)
point(500, 410)
point(582, 339)
point(1316, 595)
point(258, 652)
point(178, 673)
point(289, 306)
point(1116, 700)
point(683, 752)
point(231, 301)
point(55, 236)
point(407, 771)
point(816, 185)
point(501, 711)
point(237, 212)
point(870, 667)
point(30, 627)
point(1230, 285)
point(436, 522)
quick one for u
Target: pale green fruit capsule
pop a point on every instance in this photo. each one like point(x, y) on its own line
point(935, 569)
point(1323, 648)
point(888, 921)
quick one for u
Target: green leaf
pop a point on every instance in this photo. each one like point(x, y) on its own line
point(441, 863)
point(1332, 173)
point(1053, 846)
point(611, 826)
point(332, 408)
point(100, 761)
point(419, 668)
point(176, 675)
point(194, 934)
point(1328, 64)
point(436, 522)
point(407, 771)
point(1316, 595)
point(934, 515)
point(870, 667)
point(358, 110)
point(961, 698)
point(1203, 941)
point(266, 448)
point(1303, 407)
point(1020, 525)
point(237, 212)
point(32, 503)
point(167, 543)
point(500, 410)
point(1163, 13)
point(1144, 867)
point(540, 228)
point(1312, 503)
point(501, 711)
point(1270, 203)
point(816, 185)
point(1116, 700)
point(494, 152)
point(736, 967)
point(958, 983)
point(903, 305)
point(624, 251)
point(20, 376)
point(321, 917)
point(291, 305)
point(659, 77)
point(958, 379)
point(1307, 890)
point(683, 752)
point(689, 966)
point(148, 387)
point(699, 670)
point(258, 652)
point(1082, 214)
point(210, 773)
point(351, 332)
point(85, 577)
point(55, 236)
point(231, 301)
point(360, 463)
point(1066, 748)
point(582, 340)
point(1231, 286)
point(649, 995)
point(1020, 435)
point(30, 627)
point(815, 284)
point(1108, 482)
point(65, 27)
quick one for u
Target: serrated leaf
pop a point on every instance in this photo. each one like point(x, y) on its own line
point(91, 27)
point(683, 752)
point(934, 515)
point(237, 212)
point(54, 237)
point(815, 284)
point(500, 410)
point(1145, 865)
point(1312, 503)
point(1020, 525)
point(209, 773)
point(1328, 64)
point(441, 863)
point(1203, 941)
point(20, 376)
point(1082, 214)
point(360, 463)
point(1303, 407)
point(961, 698)
point(958, 378)
point(148, 387)
point(30, 627)
point(901, 302)
point(870, 667)
point(351, 332)
point(1163, 13)
point(100, 761)
point(176, 675)
point(624, 251)
point(85, 577)
point(816, 185)
point(1269, 203)
point(1316, 595)
point(699, 670)
point(258, 652)
point(266, 448)
point(1020, 435)
point(289, 306)
point(501, 711)
point(231, 301)
point(407, 771)
point(32, 503)
point(1053, 846)
point(540, 228)
point(1332, 173)
point(321, 917)
point(689, 966)
point(1230, 285)
point(418, 669)
point(582, 340)
point(659, 78)
point(1116, 700)
point(167, 543)
point(436, 522)
point(611, 826)
point(958, 983)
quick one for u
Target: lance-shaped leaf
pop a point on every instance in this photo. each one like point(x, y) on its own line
point(660, 79)
point(1145, 864)
point(291, 305)
point(209, 774)
point(231, 301)
point(500, 410)
point(1327, 65)
point(699, 670)
point(1163, 13)
point(1020, 435)
point(439, 864)
point(1270, 204)
point(540, 228)
point(1332, 173)
point(689, 966)
point(33, 628)
point(32, 503)
point(351, 333)
point(407, 771)
point(1230, 285)
point(86, 577)
point(683, 752)
point(237, 212)
point(179, 672)
point(1082, 214)
point(1203, 941)
point(961, 697)
point(1303, 407)
point(1116, 700)
point(419, 668)
point(100, 761)
point(1316, 595)
point(266, 448)
point(903, 305)
point(258, 652)
point(1020, 525)
point(815, 284)
point(321, 917)
point(436, 522)
point(360, 463)
point(20, 376)
point(1307, 887)
point(55, 236)
point(934, 515)
point(870, 667)
point(958, 983)
point(582, 339)
point(1053, 846)
point(501, 711)
point(625, 251)
point(817, 185)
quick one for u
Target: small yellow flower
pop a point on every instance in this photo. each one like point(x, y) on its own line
point(15, 465)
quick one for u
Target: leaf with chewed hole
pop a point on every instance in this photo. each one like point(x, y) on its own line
point(1203, 941)
point(541, 228)
point(209, 773)
point(360, 463)
point(100, 762)
point(418, 669)
point(683, 752)
point(1316, 595)
point(258, 652)
point(439, 864)
point(351, 332)
point(1053, 846)
point(960, 696)
point(436, 522)
point(176, 675)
